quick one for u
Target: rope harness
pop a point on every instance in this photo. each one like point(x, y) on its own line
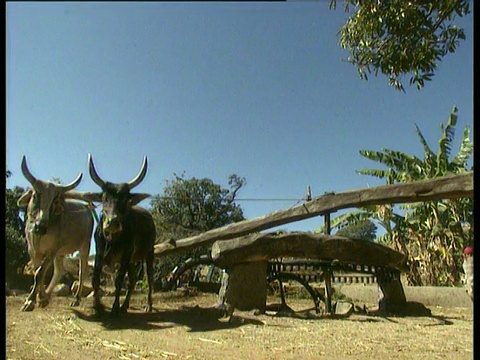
point(92, 207)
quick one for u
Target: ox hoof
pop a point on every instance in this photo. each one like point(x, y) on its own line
point(43, 303)
point(99, 309)
point(28, 306)
point(115, 312)
point(123, 310)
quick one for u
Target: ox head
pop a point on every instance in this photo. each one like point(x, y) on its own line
point(116, 199)
point(44, 201)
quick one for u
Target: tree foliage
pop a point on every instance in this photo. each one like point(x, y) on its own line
point(401, 37)
point(361, 230)
point(188, 207)
point(16, 254)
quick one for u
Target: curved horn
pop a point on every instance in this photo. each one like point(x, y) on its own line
point(141, 175)
point(73, 184)
point(28, 175)
point(93, 172)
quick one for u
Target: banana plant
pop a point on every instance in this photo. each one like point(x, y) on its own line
point(430, 233)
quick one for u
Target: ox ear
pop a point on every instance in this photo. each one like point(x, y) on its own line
point(136, 198)
point(85, 196)
point(25, 198)
point(58, 205)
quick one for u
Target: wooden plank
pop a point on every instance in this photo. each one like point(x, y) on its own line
point(447, 187)
point(266, 246)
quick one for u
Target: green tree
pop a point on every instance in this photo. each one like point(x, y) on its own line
point(401, 37)
point(432, 234)
point(362, 230)
point(16, 254)
point(189, 207)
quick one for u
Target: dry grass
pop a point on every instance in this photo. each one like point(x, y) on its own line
point(187, 327)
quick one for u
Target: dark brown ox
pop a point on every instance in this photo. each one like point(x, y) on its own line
point(55, 226)
point(125, 235)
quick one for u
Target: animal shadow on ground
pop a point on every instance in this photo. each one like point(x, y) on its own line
point(196, 318)
point(412, 309)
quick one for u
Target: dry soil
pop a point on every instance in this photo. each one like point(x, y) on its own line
point(188, 326)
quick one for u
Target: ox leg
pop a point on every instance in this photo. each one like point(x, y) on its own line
point(97, 271)
point(29, 304)
point(58, 272)
point(38, 288)
point(44, 298)
point(118, 287)
point(81, 276)
point(149, 262)
point(132, 279)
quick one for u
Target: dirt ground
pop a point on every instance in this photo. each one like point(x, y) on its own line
point(187, 326)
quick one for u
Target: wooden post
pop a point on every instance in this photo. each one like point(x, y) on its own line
point(327, 224)
point(282, 293)
point(247, 286)
point(223, 289)
point(393, 300)
point(327, 274)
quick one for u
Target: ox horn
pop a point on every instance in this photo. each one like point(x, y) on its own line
point(73, 184)
point(28, 175)
point(141, 175)
point(93, 172)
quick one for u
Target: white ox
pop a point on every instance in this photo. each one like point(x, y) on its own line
point(55, 227)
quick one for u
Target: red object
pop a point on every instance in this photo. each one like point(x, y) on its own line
point(468, 250)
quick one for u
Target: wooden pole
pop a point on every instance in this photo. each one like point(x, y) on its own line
point(447, 187)
point(327, 224)
point(327, 274)
point(328, 290)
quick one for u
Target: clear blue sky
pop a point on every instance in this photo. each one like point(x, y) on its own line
point(211, 89)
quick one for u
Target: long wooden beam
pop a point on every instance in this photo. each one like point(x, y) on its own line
point(266, 246)
point(447, 187)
